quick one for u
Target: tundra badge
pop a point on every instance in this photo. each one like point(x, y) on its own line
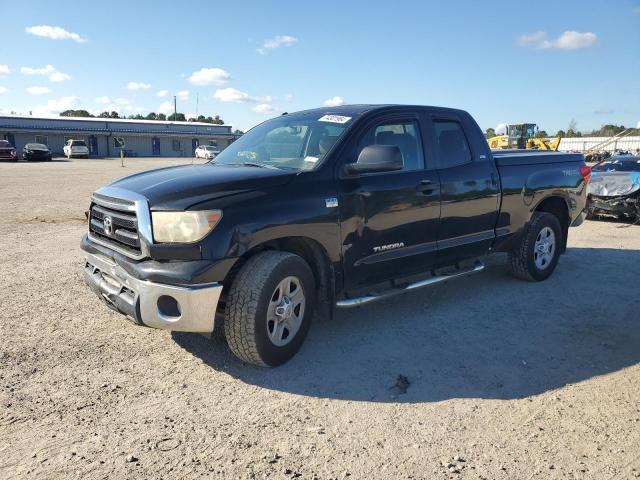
point(392, 246)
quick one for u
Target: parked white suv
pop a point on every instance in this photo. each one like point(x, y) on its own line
point(76, 148)
point(207, 151)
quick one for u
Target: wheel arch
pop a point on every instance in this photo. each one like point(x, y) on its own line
point(557, 206)
point(310, 250)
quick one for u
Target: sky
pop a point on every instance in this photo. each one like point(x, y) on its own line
point(539, 61)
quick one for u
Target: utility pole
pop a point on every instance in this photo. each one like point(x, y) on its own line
point(198, 101)
point(175, 109)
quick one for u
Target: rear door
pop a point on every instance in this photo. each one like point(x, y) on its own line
point(390, 220)
point(469, 188)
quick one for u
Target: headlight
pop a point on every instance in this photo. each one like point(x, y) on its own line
point(183, 227)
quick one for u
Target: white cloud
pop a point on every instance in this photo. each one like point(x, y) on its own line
point(163, 93)
point(54, 33)
point(38, 90)
point(183, 95)
point(569, 40)
point(532, 38)
point(3, 89)
point(288, 97)
point(165, 107)
point(59, 77)
point(333, 102)
point(4, 70)
point(47, 70)
point(277, 42)
point(53, 107)
point(119, 105)
point(210, 76)
point(138, 86)
point(103, 100)
point(501, 129)
point(233, 95)
point(265, 108)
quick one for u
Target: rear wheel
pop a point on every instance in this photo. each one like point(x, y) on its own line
point(269, 308)
point(536, 257)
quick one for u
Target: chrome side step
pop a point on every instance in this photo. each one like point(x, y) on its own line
point(356, 302)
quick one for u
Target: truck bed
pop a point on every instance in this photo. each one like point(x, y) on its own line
point(533, 157)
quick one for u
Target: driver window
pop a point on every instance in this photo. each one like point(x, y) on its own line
point(403, 134)
point(285, 142)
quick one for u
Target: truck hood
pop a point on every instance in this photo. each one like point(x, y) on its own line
point(180, 187)
point(613, 184)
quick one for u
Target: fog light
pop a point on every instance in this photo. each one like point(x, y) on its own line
point(169, 307)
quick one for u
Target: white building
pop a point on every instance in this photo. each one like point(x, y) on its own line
point(105, 136)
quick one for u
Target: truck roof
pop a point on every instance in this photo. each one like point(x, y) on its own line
point(359, 109)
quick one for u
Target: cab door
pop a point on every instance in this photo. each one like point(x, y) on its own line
point(469, 189)
point(390, 220)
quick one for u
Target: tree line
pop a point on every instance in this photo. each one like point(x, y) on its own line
point(177, 117)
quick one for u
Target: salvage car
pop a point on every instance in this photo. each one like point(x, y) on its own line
point(615, 189)
point(333, 207)
point(36, 151)
point(7, 151)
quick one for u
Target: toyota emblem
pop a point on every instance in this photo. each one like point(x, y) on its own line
point(108, 225)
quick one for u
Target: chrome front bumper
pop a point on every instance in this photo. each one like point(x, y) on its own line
point(180, 308)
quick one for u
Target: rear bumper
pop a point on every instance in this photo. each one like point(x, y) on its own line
point(180, 308)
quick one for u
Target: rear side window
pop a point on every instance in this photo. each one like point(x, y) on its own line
point(403, 134)
point(452, 144)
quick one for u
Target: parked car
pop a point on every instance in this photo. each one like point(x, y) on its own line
point(615, 189)
point(36, 151)
point(76, 148)
point(7, 151)
point(207, 151)
point(333, 207)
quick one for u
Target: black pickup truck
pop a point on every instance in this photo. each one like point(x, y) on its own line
point(334, 207)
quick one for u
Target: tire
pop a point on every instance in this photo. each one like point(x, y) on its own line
point(250, 324)
point(523, 261)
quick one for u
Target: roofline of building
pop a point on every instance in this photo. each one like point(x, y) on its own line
point(115, 120)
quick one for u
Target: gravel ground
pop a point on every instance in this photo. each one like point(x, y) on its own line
point(484, 377)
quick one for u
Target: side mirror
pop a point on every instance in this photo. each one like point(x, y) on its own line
point(377, 158)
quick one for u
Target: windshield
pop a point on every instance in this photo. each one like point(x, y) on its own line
point(36, 145)
point(515, 131)
point(4, 143)
point(295, 142)
point(619, 166)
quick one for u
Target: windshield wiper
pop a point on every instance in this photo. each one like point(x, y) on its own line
point(256, 164)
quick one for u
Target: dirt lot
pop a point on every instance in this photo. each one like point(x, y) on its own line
point(507, 379)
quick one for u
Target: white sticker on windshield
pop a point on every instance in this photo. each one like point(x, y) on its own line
point(311, 159)
point(334, 119)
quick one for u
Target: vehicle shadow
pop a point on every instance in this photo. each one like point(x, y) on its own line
point(485, 336)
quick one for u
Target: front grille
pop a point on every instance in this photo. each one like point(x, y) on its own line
point(116, 226)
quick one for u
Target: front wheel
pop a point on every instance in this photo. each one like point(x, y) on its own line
point(269, 308)
point(536, 257)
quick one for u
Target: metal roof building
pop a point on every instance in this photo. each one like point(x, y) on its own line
point(105, 136)
point(582, 144)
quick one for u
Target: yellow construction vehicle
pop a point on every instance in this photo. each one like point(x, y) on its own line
point(521, 136)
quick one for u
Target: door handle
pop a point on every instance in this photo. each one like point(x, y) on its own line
point(426, 186)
